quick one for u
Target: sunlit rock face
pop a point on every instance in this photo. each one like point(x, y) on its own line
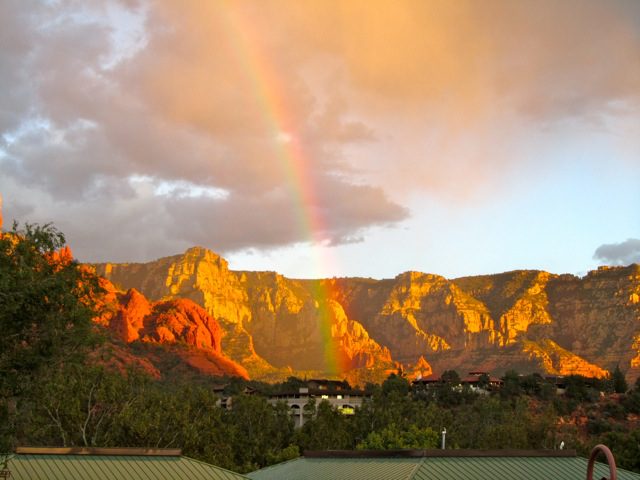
point(295, 324)
point(128, 323)
point(182, 320)
point(168, 321)
point(556, 360)
point(600, 315)
point(198, 274)
point(529, 320)
point(273, 326)
point(189, 332)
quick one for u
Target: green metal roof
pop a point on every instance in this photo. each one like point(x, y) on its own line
point(437, 468)
point(340, 468)
point(121, 467)
point(529, 468)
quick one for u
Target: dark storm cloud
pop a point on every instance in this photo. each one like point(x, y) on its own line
point(623, 253)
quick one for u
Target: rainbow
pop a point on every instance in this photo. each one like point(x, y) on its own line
point(295, 162)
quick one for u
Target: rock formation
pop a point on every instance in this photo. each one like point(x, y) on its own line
point(275, 326)
point(272, 326)
point(180, 325)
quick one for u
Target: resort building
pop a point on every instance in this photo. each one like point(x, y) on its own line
point(477, 380)
point(339, 394)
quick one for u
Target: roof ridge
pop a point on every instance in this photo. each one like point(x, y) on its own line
point(301, 457)
point(416, 468)
point(437, 452)
point(214, 466)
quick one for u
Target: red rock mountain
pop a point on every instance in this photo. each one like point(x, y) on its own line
point(183, 329)
point(362, 328)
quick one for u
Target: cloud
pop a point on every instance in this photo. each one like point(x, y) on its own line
point(125, 154)
point(464, 88)
point(258, 126)
point(623, 253)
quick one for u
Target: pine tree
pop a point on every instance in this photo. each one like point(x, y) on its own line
point(618, 381)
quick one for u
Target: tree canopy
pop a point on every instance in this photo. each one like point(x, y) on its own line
point(46, 309)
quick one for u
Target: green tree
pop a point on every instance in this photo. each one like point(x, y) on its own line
point(76, 405)
point(626, 447)
point(391, 438)
point(451, 392)
point(328, 430)
point(631, 401)
point(384, 408)
point(618, 381)
point(396, 383)
point(484, 381)
point(511, 385)
point(258, 431)
point(46, 308)
point(434, 416)
point(490, 423)
point(579, 390)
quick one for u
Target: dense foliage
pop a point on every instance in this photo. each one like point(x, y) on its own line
point(53, 393)
point(46, 308)
point(94, 406)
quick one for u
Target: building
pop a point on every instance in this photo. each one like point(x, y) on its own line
point(427, 382)
point(225, 401)
point(481, 382)
point(478, 381)
point(29, 463)
point(339, 394)
point(559, 382)
point(438, 465)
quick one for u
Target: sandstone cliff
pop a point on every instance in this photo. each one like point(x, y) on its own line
point(532, 320)
point(180, 326)
point(271, 325)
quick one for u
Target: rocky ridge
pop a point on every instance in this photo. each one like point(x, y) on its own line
point(362, 328)
point(179, 326)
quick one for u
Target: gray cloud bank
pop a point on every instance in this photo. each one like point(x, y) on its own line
point(143, 127)
point(623, 253)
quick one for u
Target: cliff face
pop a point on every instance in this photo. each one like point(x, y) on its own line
point(271, 325)
point(179, 325)
point(529, 320)
point(199, 275)
point(295, 324)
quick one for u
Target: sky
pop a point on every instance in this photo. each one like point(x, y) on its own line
point(327, 138)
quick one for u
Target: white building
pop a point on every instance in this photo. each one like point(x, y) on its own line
point(339, 395)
